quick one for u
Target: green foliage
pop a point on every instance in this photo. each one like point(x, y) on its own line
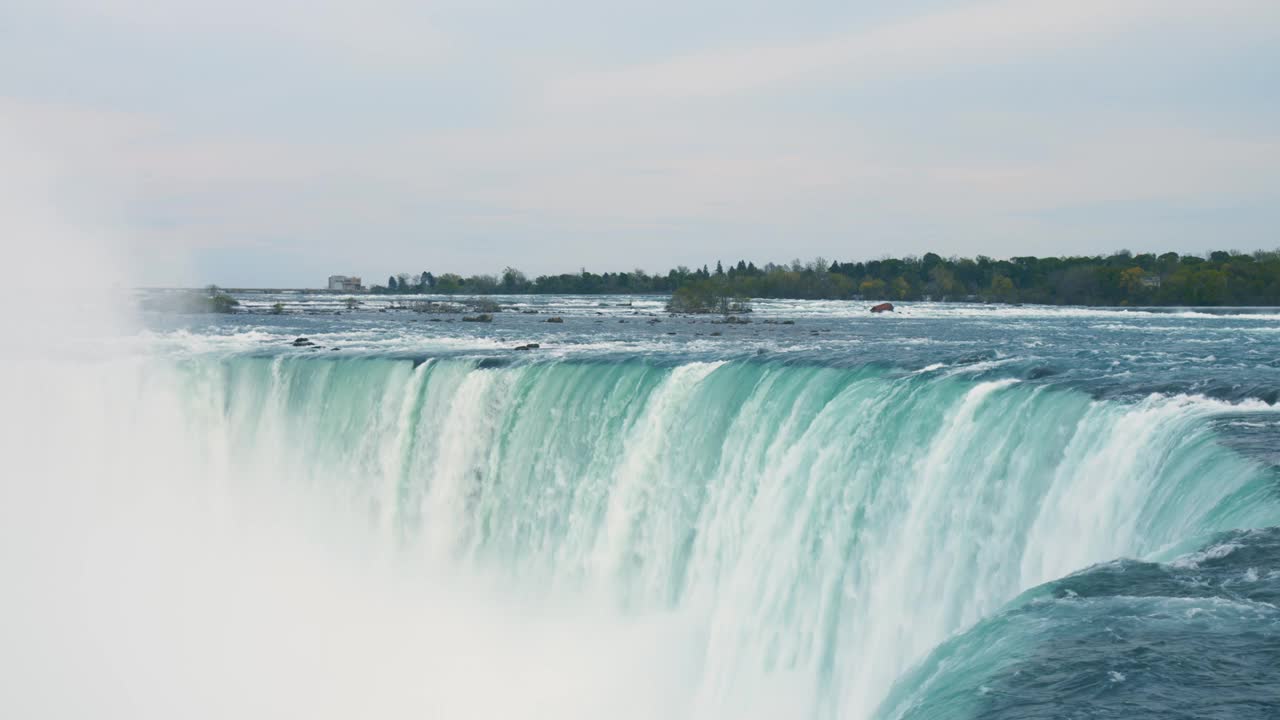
point(216, 301)
point(277, 309)
point(1001, 288)
point(449, 283)
point(1122, 278)
point(707, 296)
point(698, 297)
point(211, 300)
point(872, 288)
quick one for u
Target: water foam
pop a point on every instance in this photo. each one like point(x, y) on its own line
point(790, 538)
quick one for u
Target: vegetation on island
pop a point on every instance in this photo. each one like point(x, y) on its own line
point(211, 299)
point(220, 302)
point(707, 297)
point(215, 300)
point(1123, 278)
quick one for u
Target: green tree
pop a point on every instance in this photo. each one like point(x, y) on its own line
point(942, 282)
point(900, 288)
point(221, 302)
point(1002, 288)
point(449, 283)
point(514, 281)
point(1225, 277)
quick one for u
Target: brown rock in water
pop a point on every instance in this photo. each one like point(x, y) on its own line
point(882, 307)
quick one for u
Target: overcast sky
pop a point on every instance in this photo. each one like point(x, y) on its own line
point(246, 142)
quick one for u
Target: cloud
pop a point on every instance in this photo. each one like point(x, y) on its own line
point(674, 167)
point(761, 151)
point(387, 33)
point(1000, 31)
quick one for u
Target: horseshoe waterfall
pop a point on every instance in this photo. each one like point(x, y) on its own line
point(956, 513)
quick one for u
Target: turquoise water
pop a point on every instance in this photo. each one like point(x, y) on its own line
point(811, 516)
point(952, 512)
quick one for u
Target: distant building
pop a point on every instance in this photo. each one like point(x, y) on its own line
point(1151, 280)
point(345, 283)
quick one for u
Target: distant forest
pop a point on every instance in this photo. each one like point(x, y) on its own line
point(1222, 278)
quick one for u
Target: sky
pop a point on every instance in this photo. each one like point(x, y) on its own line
point(271, 144)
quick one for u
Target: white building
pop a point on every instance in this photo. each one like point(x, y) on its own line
point(345, 283)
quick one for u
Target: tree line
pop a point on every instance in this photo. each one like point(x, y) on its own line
point(1122, 278)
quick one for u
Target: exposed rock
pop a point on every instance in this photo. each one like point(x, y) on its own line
point(530, 346)
point(882, 307)
point(437, 308)
point(482, 317)
point(302, 342)
point(556, 319)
